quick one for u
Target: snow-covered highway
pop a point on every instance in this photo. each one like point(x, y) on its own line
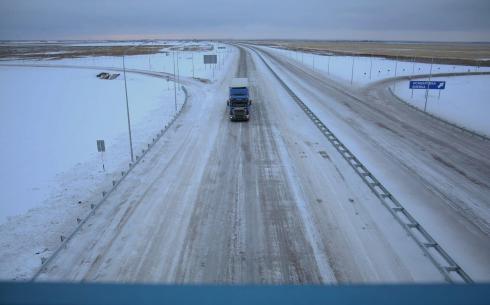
point(272, 200)
point(440, 174)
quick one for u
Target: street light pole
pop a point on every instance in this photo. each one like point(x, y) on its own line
point(127, 111)
point(127, 102)
point(352, 71)
point(192, 64)
point(175, 88)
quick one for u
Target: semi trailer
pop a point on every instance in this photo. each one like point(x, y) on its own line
point(239, 100)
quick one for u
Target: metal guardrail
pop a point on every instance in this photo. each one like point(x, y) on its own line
point(439, 257)
point(105, 195)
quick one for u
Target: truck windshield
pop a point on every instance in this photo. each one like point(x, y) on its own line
point(238, 92)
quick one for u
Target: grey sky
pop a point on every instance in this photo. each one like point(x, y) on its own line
point(309, 19)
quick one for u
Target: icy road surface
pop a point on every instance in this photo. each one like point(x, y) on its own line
point(440, 174)
point(265, 201)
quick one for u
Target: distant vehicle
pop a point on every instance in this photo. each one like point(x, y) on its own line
point(239, 101)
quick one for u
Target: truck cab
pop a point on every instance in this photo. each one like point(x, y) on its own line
point(239, 100)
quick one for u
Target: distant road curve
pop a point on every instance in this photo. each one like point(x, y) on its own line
point(182, 80)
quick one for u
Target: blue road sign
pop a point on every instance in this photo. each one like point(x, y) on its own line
point(424, 84)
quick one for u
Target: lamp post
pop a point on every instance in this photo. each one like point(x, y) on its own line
point(127, 111)
point(127, 103)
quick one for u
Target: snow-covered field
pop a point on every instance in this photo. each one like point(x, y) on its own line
point(187, 63)
point(463, 102)
point(363, 70)
point(51, 118)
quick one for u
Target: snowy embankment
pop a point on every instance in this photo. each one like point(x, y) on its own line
point(50, 121)
point(464, 101)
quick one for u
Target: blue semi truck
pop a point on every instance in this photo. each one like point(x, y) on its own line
point(239, 101)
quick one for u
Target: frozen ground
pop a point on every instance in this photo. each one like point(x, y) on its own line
point(463, 102)
point(50, 120)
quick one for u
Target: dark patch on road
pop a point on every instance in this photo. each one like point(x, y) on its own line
point(462, 173)
point(338, 171)
point(324, 154)
point(389, 129)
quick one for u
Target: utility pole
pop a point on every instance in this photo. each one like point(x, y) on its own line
point(127, 111)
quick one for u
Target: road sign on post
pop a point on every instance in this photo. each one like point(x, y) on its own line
point(101, 149)
point(100, 146)
point(210, 59)
point(438, 85)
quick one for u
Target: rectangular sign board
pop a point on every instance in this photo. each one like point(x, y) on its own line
point(210, 59)
point(415, 84)
point(100, 145)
